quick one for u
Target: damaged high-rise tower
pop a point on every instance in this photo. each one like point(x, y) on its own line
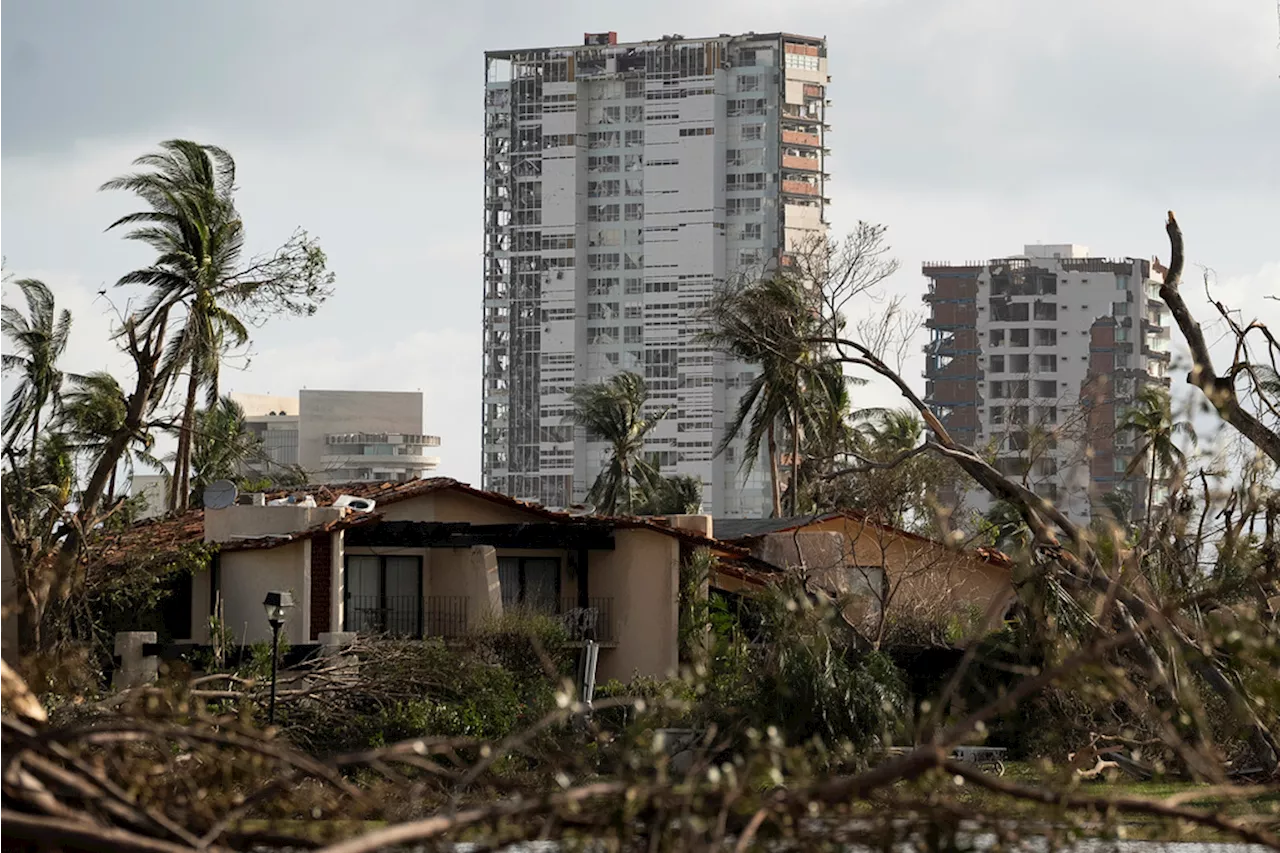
point(624, 183)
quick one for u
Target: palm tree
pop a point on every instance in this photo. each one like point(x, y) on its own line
point(93, 411)
point(194, 226)
point(221, 445)
point(1151, 419)
point(39, 340)
point(770, 323)
point(613, 411)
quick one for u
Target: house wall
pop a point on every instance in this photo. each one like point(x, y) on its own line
point(244, 521)
point(642, 578)
point(245, 579)
point(921, 573)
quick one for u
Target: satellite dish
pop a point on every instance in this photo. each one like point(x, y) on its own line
point(220, 494)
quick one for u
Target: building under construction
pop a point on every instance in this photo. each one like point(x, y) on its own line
point(624, 184)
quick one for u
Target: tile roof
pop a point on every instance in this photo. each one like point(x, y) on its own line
point(742, 531)
point(160, 538)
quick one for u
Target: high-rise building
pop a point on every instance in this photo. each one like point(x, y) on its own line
point(340, 436)
point(1038, 357)
point(624, 183)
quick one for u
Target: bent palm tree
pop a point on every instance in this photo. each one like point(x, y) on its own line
point(194, 226)
point(221, 445)
point(95, 410)
point(1151, 419)
point(771, 323)
point(613, 411)
point(39, 340)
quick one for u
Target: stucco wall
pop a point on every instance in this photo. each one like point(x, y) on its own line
point(921, 573)
point(245, 579)
point(642, 578)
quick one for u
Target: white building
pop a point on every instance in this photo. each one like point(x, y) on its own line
point(624, 183)
point(339, 436)
point(1038, 357)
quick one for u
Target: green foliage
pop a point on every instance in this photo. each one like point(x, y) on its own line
point(693, 606)
point(613, 411)
point(680, 494)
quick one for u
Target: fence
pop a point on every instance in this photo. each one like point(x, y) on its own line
point(395, 615)
point(446, 615)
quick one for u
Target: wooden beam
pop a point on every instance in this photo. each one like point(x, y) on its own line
point(579, 536)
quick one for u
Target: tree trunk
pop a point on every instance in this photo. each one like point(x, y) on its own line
point(775, 474)
point(794, 489)
point(111, 486)
point(1151, 488)
point(179, 486)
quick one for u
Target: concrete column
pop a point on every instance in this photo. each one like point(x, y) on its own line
point(135, 665)
point(484, 590)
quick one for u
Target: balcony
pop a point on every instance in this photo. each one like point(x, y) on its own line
point(800, 188)
point(798, 137)
point(807, 164)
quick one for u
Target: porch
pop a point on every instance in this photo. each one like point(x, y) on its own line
point(446, 579)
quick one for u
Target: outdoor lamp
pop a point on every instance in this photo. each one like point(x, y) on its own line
point(277, 605)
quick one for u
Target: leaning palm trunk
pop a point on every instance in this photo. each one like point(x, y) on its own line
point(179, 484)
point(794, 488)
point(775, 475)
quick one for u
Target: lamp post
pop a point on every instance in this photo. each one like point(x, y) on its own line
point(277, 605)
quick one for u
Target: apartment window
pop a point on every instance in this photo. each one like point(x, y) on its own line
point(747, 107)
point(1046, 337)
point(635, 210)
point(1045, 310)
point(742, 206)
point(752, 132)
point(601, 286)
point(748, 258)
point(635, 260)
point(745, 156)
point(1018, 414)
point(1047, 363)
point(997, 338)
point(531, 582)
point(602, 213)
point(383, 595)
point(997, 414)
point(633, 286)
point(633, 312)
point(633, 162)
point(597, 261)
point(604, 139)
point(635, 187)
point(752, 231)
point(997, 364)
point(697, 131)
point(602, 311)
point(603, 189)
point(995, 390)
point(1019, 364)
point(802, 61)
point(608, 163)
point(749, 83)
point(635, 114)
point(634, 138)
point(633, 334)
point(1019, 337)
point(1049, 415)
point(745, 181)
point(634, 89)
point(1046, 388)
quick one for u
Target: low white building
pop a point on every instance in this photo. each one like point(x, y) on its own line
point(341, 436)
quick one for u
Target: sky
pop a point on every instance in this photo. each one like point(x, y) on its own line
point(968, 127)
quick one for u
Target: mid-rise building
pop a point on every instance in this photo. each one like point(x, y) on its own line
point(340, 436)
point(624, 183)
point(1038, 357)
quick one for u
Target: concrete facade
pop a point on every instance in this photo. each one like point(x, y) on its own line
point(341, 436)
point(1037, 357)
point(624, 184)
